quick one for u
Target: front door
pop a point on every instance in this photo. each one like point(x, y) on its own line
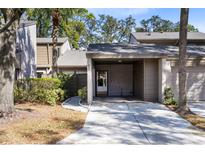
point(101, 84)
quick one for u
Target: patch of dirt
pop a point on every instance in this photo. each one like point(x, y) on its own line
point(19, 114)
point(39, 124)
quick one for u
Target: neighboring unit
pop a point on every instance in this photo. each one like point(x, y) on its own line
point(69, 61)
point(45, 54)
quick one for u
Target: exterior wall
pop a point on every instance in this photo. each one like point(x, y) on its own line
point(26, 52)
point(195, 82)
point(44, 55)
point(138, 79)
point(165, 75)
point(151, 80)
point(195, 78)
point(120, 79)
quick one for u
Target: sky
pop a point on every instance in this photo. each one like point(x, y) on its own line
point(196, 15)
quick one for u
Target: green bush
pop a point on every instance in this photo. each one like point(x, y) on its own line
point(169, 97)
point(82, 93)
point(65, 81)
point(41, 90)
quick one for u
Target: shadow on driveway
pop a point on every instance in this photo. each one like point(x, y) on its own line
point(125, 121)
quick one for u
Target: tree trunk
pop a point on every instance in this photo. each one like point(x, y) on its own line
point(56, 22)
point(7, 70)
point(182, 103)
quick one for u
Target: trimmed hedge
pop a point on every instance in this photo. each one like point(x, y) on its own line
point(40, 90)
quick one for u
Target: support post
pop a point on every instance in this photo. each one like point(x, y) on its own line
point(89, 80)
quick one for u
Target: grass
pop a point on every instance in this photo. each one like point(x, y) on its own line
point(193, 118)
point(41, 124)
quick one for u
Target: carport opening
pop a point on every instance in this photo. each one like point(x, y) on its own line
point(119, 78)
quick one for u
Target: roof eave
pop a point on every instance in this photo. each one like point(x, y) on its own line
point(124, 55)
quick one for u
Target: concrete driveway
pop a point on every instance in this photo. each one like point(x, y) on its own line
point(198, 107)
point(124, 121)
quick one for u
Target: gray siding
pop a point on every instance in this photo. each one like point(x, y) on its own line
point(151, 79)
point(120, 79)
point(26, 57)
point(138, 79)
point(195, 82)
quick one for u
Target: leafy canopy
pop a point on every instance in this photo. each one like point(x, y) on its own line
point(157, 24)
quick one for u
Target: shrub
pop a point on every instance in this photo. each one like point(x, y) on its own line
point(65, 81)
point(41, 90)
point(83, 93)
point(169, 97)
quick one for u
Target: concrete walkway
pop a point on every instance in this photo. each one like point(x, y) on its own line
point(198, 107)
point(122, 121)
point(74, 103)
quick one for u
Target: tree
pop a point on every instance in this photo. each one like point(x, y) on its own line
point(80, 28)
point(89, 35)
point(71, 25)
point(125, 28)
point(182, 103)
point(8, 28)
point(107, 28)
point(112, 30)
point(145, 25)
point(157, 24)
point(190, 28)
point(56, 22)
point(43, 20)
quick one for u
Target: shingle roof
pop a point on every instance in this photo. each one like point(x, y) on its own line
point(49, 40)
point(73, 58)
point(144, 49)
point(167, 36)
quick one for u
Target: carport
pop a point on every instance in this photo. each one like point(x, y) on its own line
point(116, 70)
point(125, 78)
